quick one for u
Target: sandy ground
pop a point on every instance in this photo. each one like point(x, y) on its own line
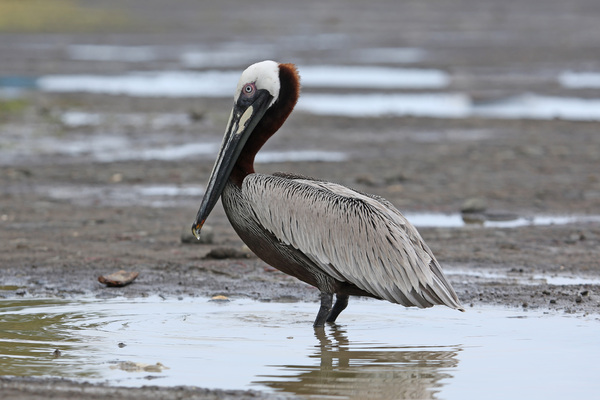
point(52, 246)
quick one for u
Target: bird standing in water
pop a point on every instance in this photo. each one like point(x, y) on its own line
point(341, 241)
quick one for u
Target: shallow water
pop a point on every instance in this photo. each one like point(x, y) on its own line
point(221, 83)
point(579, 80)
point(511, 277)
point(124, 195)
point(450, 105)
point(77, 119)
point(434, 105)
point(378, 351)
point(457, 220)
point(341, 76)
point(107, 148)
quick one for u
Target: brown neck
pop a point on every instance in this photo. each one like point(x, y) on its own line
point(270, 122)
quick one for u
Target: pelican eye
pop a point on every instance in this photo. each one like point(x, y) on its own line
point(249, 89)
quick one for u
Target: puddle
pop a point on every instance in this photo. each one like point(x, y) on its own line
point(124, 195)
point(379, 350)
point(102, 148)
point(17, 82)
point(340, 76)
point(147, 84)
point(532, 106)
point(77, 119)
point(522, 278)
point(435, 105)
point(450, 105)
point(580, 80)
point(192, 150)
point(107, 148)
point(437, 220)
point(221, 83)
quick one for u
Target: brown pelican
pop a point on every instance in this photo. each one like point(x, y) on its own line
point(341, 241)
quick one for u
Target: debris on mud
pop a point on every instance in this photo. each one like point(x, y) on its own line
point(130, 366)
point(220, 253)
point(119, 278)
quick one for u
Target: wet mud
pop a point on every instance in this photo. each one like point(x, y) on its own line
point(93, 182)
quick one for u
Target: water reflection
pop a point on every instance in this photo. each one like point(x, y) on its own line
point(36, 343)
point(387, 352)
point(357, 370)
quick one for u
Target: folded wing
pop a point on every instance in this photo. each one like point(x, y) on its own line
point(352, 237)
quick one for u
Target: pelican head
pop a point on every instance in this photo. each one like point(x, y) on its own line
point(257, 92)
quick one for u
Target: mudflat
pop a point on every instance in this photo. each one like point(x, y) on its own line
point(92, 182)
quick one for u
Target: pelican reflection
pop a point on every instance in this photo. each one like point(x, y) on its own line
point(360, 370)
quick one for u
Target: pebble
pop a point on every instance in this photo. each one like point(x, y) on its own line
point(366, 179)
point(219, 298)
point(221, 253)
point(473, 205)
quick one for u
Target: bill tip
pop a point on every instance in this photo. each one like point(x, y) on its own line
point(196, 228)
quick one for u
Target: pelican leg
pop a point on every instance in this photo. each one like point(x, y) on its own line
point(340, 305)
point(324, 310)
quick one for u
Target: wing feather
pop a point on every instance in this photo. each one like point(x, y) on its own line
point(351, 236)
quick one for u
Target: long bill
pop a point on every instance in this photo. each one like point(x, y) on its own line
point(242, 122)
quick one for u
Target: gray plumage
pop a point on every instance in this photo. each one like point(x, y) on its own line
point(344, 236)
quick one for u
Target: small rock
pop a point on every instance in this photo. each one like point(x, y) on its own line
point(219, 298)
point(574, 238)
point(119, 278)
point(130, 366)
point(220, 253)
point(366, 179)
point(532, 151)
point(395, 178)
point(116, 177)
point(206, 235)
point(196, 115)
point(473, 205)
